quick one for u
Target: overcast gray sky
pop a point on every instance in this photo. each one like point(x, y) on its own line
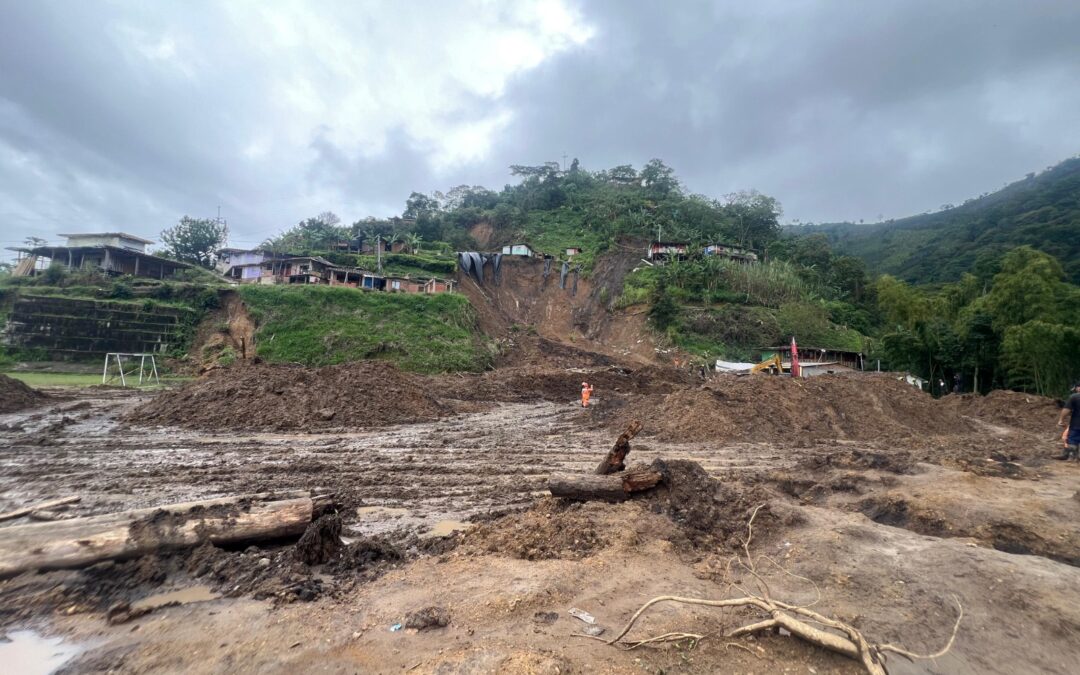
point(128, 114)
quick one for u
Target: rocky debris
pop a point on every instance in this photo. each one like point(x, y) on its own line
point(16, 395)
point(427, 618)
point(281, 397)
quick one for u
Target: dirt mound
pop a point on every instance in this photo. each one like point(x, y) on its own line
point(1008, 408)
point(689, 508)
point(537, 383)
point(773, 409)
point(14, 395)
point(280, 397)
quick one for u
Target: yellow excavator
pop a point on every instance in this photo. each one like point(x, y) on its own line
point(772, 365)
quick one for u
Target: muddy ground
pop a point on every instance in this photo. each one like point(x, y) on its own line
point(445, 522)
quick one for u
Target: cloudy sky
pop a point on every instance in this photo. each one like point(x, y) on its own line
point(128, 114)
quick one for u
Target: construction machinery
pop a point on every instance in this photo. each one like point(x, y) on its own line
point(772, 365)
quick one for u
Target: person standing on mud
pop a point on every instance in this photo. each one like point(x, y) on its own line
point(1071, 435)
point(586, 392)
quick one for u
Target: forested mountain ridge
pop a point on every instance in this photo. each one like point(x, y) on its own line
point(1041, 211)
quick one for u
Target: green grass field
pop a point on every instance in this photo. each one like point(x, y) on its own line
point(45, 379)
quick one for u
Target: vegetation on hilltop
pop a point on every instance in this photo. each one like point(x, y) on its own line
point(1041, 211)
point(556, 209)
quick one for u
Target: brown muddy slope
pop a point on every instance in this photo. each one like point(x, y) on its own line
point(366, 394)
point(533, 317)
point(14, 395)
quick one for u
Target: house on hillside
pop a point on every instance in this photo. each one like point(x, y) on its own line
point(245, 265)
point(731, 252)
point(815, 359)
point(572, 251)
point(432, 286)
point(373, 282)
point(665, 250)
point(524, 250)
point(403, 284)
point(371, 246)
point(295, 270)
point(345, 276)
point(113, 253)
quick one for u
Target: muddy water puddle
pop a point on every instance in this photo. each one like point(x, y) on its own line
point(445, 528)
point(182, 596)
point(28, 653)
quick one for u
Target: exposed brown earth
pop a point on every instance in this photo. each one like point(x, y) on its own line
point(876, 503)
point(14, 395)
point(367, 394)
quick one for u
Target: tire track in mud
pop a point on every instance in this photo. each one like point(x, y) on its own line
point(455, 467)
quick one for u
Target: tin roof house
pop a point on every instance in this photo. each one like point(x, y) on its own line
point(113, 253)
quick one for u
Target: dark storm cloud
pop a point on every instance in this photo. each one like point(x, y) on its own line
point(842, 110)
point(127, 115)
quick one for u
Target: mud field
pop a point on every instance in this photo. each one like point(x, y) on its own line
point(443, 552)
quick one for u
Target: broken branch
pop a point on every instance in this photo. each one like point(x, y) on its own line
point(43, 506)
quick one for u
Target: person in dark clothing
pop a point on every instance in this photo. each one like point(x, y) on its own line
point(1071, 435)
point(957, 384)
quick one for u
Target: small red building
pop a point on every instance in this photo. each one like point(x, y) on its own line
point(663, 250)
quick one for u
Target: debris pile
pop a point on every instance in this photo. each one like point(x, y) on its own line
point(281, 397)
point(15, 395)
point(776, 409)
point(691, 509)
point(1010, 408)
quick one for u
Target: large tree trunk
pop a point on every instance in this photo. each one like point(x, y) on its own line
point(80, 542)
point(616, 459)
point(613, 487)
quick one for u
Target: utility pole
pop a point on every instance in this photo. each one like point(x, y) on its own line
point(378, 251)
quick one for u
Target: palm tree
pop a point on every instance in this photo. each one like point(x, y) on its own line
point(412, 240)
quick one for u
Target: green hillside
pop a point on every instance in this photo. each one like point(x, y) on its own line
point(1041, 211)
point(321, 325)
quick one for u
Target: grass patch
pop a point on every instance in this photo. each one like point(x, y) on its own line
point(45, 379)
point(417, 265)
point(554, 232)
point(318, 325)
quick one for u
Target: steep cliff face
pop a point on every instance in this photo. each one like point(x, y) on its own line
point(534, 316)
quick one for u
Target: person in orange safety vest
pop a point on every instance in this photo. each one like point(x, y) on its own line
point(586, 392)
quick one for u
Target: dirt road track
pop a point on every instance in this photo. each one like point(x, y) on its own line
point(449, 469)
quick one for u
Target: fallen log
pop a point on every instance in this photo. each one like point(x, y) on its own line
point(613, 487)
point(80, 542)
point(616, 458)
point(43, 506)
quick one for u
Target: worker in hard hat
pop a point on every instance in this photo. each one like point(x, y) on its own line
point(586, 392)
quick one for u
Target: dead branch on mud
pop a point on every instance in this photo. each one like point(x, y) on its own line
point(833, 634)
point(43, 506)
